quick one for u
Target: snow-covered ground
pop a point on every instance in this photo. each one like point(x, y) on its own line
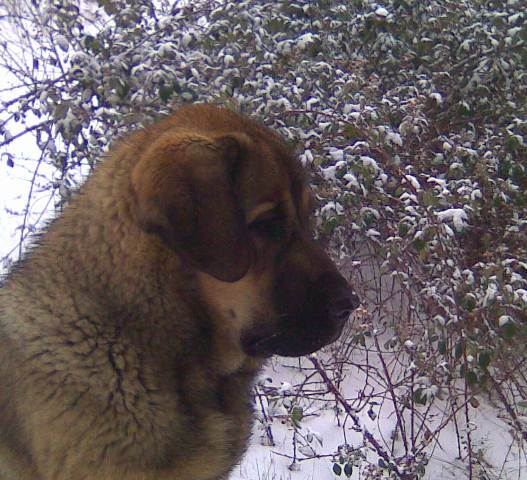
point(490, 435)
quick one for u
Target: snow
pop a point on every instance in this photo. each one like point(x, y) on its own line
point(320, 432)
point(394, 138)
point(186, 39)
point(369, 162)
point(62, 42)
point(381, 12)
point(331, 207)
point(349, 107)
point(306, 157)
point(457, 216)
point(229, 60)
point(352, 180)
point(413, 181)
point(305, 40)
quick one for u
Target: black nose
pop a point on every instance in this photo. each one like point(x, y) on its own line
point(341, 300)
point(343, 305)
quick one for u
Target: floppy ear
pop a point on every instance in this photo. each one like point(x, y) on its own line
point(185, 187)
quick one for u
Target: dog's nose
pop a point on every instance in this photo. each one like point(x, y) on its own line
point(345, 302)
point(340, 297)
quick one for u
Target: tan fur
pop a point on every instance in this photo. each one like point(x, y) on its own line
point(122, 333)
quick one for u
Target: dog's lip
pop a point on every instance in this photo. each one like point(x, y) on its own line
point(266, 345)
point(256, 346)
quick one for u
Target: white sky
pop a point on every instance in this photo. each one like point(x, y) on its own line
point(15, 183)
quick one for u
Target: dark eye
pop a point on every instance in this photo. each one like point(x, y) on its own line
point(271, 225)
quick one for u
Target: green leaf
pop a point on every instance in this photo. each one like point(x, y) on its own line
point(403, 229)
point(472, 378)
point(419, 244)
point(123, 89)
point(297, 413)
point(441, 346)
point(429, 198)
point(469, 302)
point(458, 350)
point(337, 469)
point(165, 92)
point(419, 397)
point(509, 330)
point(329, 225)
point(61, 110)
point(512, 143)
point(348, 470)
point(351, 132)
point(464, 109)
point(484, 359)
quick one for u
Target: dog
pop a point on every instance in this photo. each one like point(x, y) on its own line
point(132, 332)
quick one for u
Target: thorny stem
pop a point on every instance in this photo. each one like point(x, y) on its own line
point(294, 447)
point(28, 203)
point(509, 408)
point(453, 404)
point(268, 430)
point(467, 418)
point(23, 132)
point(392, 394)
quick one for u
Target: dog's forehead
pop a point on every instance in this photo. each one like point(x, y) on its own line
point(270, 173)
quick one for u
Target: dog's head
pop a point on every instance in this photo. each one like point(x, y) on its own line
point(229, 197)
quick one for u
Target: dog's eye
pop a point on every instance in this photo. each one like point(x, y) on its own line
point(271, 225)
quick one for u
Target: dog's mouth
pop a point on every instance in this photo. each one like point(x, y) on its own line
point(290, 343)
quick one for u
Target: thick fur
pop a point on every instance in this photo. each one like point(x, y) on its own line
point(131, 334)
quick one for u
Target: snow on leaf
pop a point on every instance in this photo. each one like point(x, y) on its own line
point(369, 162)
point(62, 42)
point(305, 40)
point(457, 216)
point(476, 194)
point(448, 230)
point(352, 180)
point(381, 12)
point(229, 60)
point(413, 181)
point(490, 294)
point(521, 294)
point(312, 102)
point(394, 138)
point(331, 207)
point(437, 98)
point(349, 107)
point(336, 154)
point(306, 157)
point(186, 38)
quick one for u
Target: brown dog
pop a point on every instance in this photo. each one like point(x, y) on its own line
point(130, 335)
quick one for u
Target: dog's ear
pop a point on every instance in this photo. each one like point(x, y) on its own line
point(185, 185)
